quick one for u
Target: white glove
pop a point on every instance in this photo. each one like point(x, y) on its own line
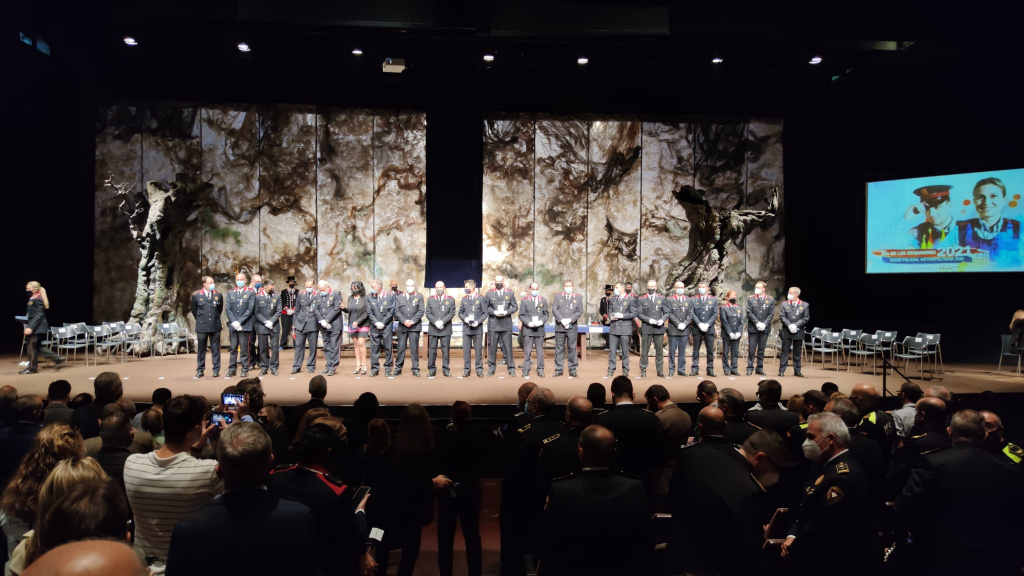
point(499, 314)
point(617, 315)
point(290, 311)
point(268, 324)
point(236, 325)
point(760, 326)
point(379, 325)
point(703, 327)
point(565, 322)
point(325, 323)
point(792, 328)
point(736, 336)
point(439, 324)
point(680, 326)
point(652, 322)
point(661, 322)
point(475, 324)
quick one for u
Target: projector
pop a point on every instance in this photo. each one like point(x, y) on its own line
point(394, 65)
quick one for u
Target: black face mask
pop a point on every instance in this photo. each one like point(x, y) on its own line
point(629, 290)
point(292, 286)
point(651, 291)
point(270, 292)
point(29, 293)
point(498, 286)
point(732, 300)
point(394, 288)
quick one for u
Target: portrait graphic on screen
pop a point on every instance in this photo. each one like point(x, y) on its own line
point(953, 223)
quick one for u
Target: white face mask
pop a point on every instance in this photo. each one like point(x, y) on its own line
point(811, 450)
point(702, 290)
point(791, 296)
point(758, 291)
point(209, 287)
point(616, 291)
point(680, 291)
point(410, 289)
point(769, 478)
point(568, 289)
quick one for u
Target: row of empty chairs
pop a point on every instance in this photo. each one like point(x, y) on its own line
point(924, 348)
point(111, 338)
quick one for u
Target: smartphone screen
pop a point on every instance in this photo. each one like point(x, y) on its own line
point(231, 399)
point(217, 417)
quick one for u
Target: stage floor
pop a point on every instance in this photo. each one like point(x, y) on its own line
point(142, 376)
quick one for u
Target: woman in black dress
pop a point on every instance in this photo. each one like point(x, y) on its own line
point(358, 324)
point(36, 328)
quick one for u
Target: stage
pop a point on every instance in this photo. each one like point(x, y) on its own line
point(142, 376)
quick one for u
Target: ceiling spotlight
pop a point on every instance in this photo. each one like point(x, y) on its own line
point(582, 60)
point(488, 57)
point(130, 41)
point(243, 47)
point(816, 60)
point(717, 60)
point(357, 51)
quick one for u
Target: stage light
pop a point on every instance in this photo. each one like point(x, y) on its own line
point(130, 41)
point(488, 57)
point(582, 60)
point(816, 60)
point(357, 51)
point(243, 47)
point(716, 60)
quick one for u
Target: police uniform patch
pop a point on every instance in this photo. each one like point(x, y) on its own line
point(842, 468)
point(834, 494)
point(524, 428)
point(551, 438)
point(819, 480)
point(1016, 450)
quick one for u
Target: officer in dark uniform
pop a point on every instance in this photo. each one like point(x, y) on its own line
point(930, 423)
point(207, 305)
point(501, 305)
point(36, 328)
point(737, 430)
point(240, 307)
point(679, 309)
point(409, 310)
point(289, 298)
point(730, 316)
point(875, 424)
point(996, 442)
point(472, 311)
point(440, 311)
point(794, 314)
point(533, 313)
point(268, 330)
point(652, 310)
point(566, 310)
point(559, 456)
point(621, 312)
point(327, 310)
point(381, 309)
point(305, 327)
point(760, 311)
point(937, 229)
point(835, 507)
point(703, 313)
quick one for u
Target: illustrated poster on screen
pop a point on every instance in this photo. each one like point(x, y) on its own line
point(953, 223)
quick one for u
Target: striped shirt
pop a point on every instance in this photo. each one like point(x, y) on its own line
point(162, 491)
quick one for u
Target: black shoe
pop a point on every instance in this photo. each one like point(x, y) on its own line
point(643, 373)
point(373, 374)
point(245, 373)
point(430, 373)
point(60, 362)
point(199, 373)
point(661, 374)
point(295, 370)
point(540, 373)
point(397, 373)
point(512, 372)
point(231, 373)
point(558, 374)
point(263, 372)
point(750, 371)
point(526, 374)
point(760, 372)
point(694, 372)
point(28, 371)
point(781, 374)
point(573, 374)
point(216, 373)
point(447, 373)
point(273, 372)
point(798, 374)
point(416, 373)
point(490, 372)
point(479, 373)
point(610, 374)
point(683, 373)
point(465, 373)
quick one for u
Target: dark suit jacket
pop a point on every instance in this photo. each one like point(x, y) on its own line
point(87, 418)
point(773, 417)
point(292, 418)
point(639, 439)
point(259, 531)
point(15, 441)
point(583, 512)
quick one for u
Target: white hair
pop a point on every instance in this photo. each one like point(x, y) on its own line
point(832, 424)
point(794, 290)
point(324, 283)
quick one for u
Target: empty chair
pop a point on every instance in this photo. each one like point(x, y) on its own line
point(831, 343)
point(815, 337)
point(67, 340)
point(103, 339)
point(1008, 350)
point(867, 345)
point(171, 334)
point(850, 341)
point(912, 348)
point(133, 339)
point(933, 349)
point(886, 340)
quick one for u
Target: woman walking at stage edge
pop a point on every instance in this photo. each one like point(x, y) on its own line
point(36, 328)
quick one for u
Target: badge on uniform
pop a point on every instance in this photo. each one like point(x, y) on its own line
point(819, 480)
point(834, 494)
point(551, 438)
point(842, 468)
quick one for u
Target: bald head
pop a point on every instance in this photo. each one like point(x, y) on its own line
point(579, 412)
point(864, 397)
point(88, 558)
point(524, 393)
point(597, 446)
point(931, 414)
point(543, 401)
point(711, 422)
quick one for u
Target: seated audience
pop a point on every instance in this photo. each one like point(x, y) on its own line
point(272, 419)
point(996, 442)
point(153, 422)
point(637, 434)
point(246, 517)
point(365, 408)
point(142, 441)
point(862, 449)
point(317, 393)
point(86, 418)
point(89, 558)
point(707, 393)
point(597, 395)
point(930, 422)
point(80, 400)
point(904, 416)
point(795, 404)
point(16, 439)
point(159, 398)
point(874, 423)
point(8, 394)
point(732, 404)
point(675, 426)
point(57, 397)
point(117, 434)
point(772, 415)
point(829, 388)
point(307, 419)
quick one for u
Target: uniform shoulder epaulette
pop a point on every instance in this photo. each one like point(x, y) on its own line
point(690, 445)
point(754, 425)
point(933, 450)
point(282, 468)
point(197, 292)
point(842, 468)
point(918, 436)
point(524, 428)
point(1014, 449)
point(551, 438)
point(803, 425)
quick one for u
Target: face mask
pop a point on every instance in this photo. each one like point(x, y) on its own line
point(498, 285)
point(394, 288)
point(270, 292)
point(790, 297)
point(323, 292)
point(758, 291)
point(811, 450)
point(568, 289)
point(373, 290)
point(309, 290)
point(702, 291)
point(239, 283)
point(616, 291)
point(410, 289)
point(29, 293)
point(680, 291)
point(629, 290)
point(291, 284)
point(769, 478)
point(534, 293)
point(651, 291)
point(209, 288)
point(468, 290)
point(732, 300)
point(257, 285)
point(354, 290)
point(439, 291)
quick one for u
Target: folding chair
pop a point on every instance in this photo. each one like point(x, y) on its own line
point(913, 348)
point(67, 340)
point(1008, 351)
point(849, 342)
point(133, 339)
point(867, 346)
point(831, 343)
point(933, 349)
point(886, 341)
point(171, 334)
point(815, 337)
point(103, 339)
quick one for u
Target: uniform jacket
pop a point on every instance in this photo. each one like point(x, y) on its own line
point(240, 306)
point(567, 306)
point(440, 308)
point(602, 309)
point(36, 315)
point(494, 299)
point(381, 308)
point(530, 307)
point(289, 297)
point(409, 307)
point(652, 307)
point(206, 309)
point(703, 311)
point(638, 436)
point(328, 307)
point(679, 309)
point(267, 308)
point(772, 417)
point(731, 316)
point(624, 304)
point(760, 309)
point(304, 318)
point(472, 305)
point(794, 312)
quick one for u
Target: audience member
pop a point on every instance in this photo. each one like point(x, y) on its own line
point(675, 425)
point(317, 393)
point(365, 408)
point(57, 397)
point(558, 457)
point(89, 558)
point(903, 417)
point(874, 423)
point(523, 415)
point(272, 419)
point(732, 404)
point(20, 499)
point(957, 504)
point(458, 454)
point(637, 434)
point(864, 450)
point(307, 419)
point(16, 439)
point(377, 466)
point(246, 517)
point(167, 485)
point(91, 510)
point(707, 393)
point(995, 440)
point(142, 441)
point(159, 398)
point(80, 400)
point(814, 401)
point(829, 388)
point(108, 388)
point(153, 423)
point(8, 394)
point(585, 511)
point(930, 421)
point(772, 415)
point(597, 395)
point(795, 404)
point(117, 435)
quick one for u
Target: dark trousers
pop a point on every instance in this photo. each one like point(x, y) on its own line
point(797, 347)
point(505, 336)
point(730, 353)
point(35, 350)
point(677, 354)
point(286, 329)
point(565, 342)
point(381, 340)
point(408, 536)
point(201, 341)
point(659, 352)
point(411, 340)
point(332, 347)
point(301, 338)
point(756, 343)
point(472, 343)
point(464, 508)
point(708, 339)
point(513, 539)
point(618, 345)
point(432, 342)
point(254, 350)
point(531, 343)
point(241, 343)
point(269, 344)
